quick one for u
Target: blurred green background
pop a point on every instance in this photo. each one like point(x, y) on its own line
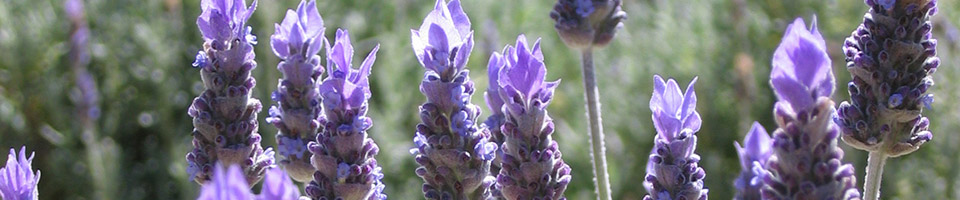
point(141, 53)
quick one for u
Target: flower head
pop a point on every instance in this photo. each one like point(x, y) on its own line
point(806, 161)
point(587, 23)
point(343, 154)
point(756, 150)
point(296, 41)
point(532, 163)
point(444, 41)
point(225, 20)
point(673, 171)
point(17, 180)
point(891, 58)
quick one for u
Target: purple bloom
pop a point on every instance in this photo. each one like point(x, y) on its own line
point(494, 103)
point(17, 180)
point(891, 58)
point(87, 96)
point(587, 23)
point(343, 153)
point(453, 153)
point(673, 171)
point(228, 183)
point(224, 115)
point(755, 151)
point(806, 161)
point(297, 40)
point(276, 186)
point(532, 164)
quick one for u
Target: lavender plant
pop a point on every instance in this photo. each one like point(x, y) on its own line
point(673, 171)
point(584, 25)
point(532, 163)
point(494, 103)
point(297, 40)
point(806, 161)
point(453, 153)
point(755, 151)
point(276, 186)
point(17, 180)
point(224, 115)
point(343, 154)
point(891, 57)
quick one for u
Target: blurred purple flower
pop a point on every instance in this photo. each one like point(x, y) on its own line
point(755, 151)
point(343, 153)
point(451, 150)
point(673, 171)
point(17, 180)
point(296, 41)
point(806, 161)
point(276, 186)
point(891, 58)
point(532, 163)
point(227, 183)
point(225, 115)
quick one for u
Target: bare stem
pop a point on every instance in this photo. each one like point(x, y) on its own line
point(871, 185)
point(597, 148)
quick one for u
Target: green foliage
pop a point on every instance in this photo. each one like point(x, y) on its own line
point(142, 50)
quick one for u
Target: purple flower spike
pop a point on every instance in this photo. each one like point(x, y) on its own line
point(673, 171)
point(226, 184)
point(454, 154)
point(891, 58)
point(756, 149)
point(276, 186)
point(297, 40)
point(806, 161)
point(17, 180)
point(225, 115)
point(494, 103)
point(532, 163)
point(587, 23)
point(343, 153)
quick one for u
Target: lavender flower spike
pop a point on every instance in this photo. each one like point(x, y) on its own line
point(673, 171)
point(224, 115)
point(532, 164)
point(343, 154)
point(17, 180)
point(297, 40)
point(754, 152)
point(494, 103)
point(453, 153)
point(891, 57)
point(806, 161)
point(227, 183)
point(583, 24)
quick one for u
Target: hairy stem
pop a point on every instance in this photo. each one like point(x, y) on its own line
point(597, 148)
point(871, 185)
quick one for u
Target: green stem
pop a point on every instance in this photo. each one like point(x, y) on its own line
point(597, 148)
point(871, 185)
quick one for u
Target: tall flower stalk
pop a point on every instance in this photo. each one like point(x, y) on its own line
point(673, 171)
point(806, 161)
point(225, 115)
point(891, 57)
point(755, 151)
point(532, 164)
point(453, 153)
point(343, 153)
point(17, 180)
point(584, 25)
point(297, 40)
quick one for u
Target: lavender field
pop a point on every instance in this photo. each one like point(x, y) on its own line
point(105, 93)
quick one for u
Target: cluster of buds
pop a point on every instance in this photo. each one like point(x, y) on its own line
point(891, 57)
point(225, 115)
point(587, 23)
point(454, 154)
point(343, 153)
